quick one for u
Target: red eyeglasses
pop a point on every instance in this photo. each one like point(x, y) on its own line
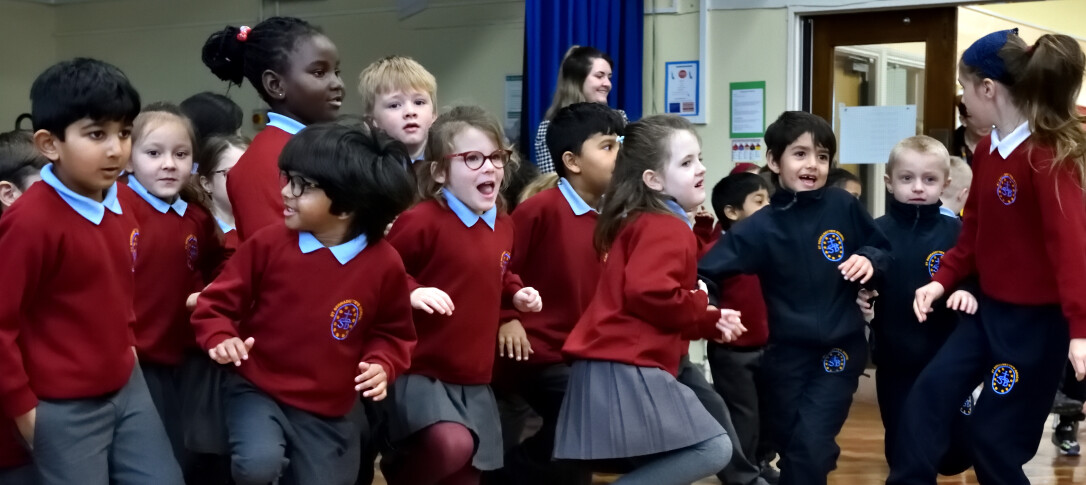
point(474, 160)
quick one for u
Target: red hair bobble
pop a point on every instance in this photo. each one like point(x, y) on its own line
point(243, 33)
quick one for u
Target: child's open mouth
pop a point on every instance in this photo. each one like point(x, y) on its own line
point(487, 188)
point(808, 180)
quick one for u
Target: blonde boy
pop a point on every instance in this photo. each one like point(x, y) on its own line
point(400, 96)
point(954, 195)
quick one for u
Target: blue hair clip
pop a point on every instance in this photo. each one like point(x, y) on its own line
point(983, 56)
point(620, 139)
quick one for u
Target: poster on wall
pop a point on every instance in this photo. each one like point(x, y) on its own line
point(748, 109)
point(681, 88)
point(513, 90)
point(747, 149)
point(869, 132)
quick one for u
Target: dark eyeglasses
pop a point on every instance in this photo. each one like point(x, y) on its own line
point(298, 184)
point(475, 160)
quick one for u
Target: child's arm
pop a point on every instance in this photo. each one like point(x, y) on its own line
point(225, 302)
point(1063, 220)
point(737, 251)
point(212, 253)
point(875, 248)
point(390, 338)
point(960, 261)
point(23, 246)
point(526, 224)
point(655, 289)
point(412, 236)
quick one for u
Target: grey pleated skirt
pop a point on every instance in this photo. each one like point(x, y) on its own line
point(419, 401)
point(614, 410)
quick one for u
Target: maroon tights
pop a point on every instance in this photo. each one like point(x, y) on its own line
point(439, 454)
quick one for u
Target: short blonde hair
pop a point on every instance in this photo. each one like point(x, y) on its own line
point(392, 73)
point(961, 175)
point(922, 144)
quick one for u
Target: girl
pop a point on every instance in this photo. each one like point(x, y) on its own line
point(1023, 233)
point(217, 156)
point(295, 69)
point(584, 76)
point(456, 246)
point(180, 248)
point(623, 400)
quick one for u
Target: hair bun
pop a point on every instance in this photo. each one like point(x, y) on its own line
point(224, 54)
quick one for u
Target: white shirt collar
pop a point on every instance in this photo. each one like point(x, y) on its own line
point(1007, 145)
point(179, 206)
point(344, 252)
point(89, 208)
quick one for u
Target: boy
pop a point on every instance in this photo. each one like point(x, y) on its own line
point(553, 253)
point(800, 247)
point(68, 251)
point(841, 178)
point(957, 190)
point(736, 366)
point(322, 305)
point(401, 97)
point(20, 165)
point(916, 174)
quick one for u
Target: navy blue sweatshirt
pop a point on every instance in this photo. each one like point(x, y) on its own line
point(920, 236)
point(795, 246)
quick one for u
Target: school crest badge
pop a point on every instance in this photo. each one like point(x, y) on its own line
point(1006, 189)
point(505, 261)
point(834, 361)
point(932, 262)
point(967, 406)
point(192, 250)
point(133, 246)
point(344, 318)
point(832, 245)
point(1004, 377)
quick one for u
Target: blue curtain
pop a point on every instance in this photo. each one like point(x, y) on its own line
point(551, 26)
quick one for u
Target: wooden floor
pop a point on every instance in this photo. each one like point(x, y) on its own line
point(862, 462)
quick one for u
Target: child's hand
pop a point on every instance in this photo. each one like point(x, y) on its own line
point(925, 296)
point(432, 300)
point(231, 350)
point(857, 267)
point(513, 341)
point(867, 307)
point(374, 378)
point(730, 325)
point(962, 301)
point(702, 286)
point(190, 303)
point(1076, 353)
point(527, 300)
point(26, 424)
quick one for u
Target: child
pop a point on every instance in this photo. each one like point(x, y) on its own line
point(401, 97)
point(216, 157)
point(957, 191)
point(800, 247)
point(1022, 236)
point(846, 180)
point(456, 245)
point(916, 174)
point(181, 249)
point(736, 366)
point(623, 402)
point(290, 409)
point(20, 165)
point(212, 114)
point(68, 250)
point(295, 69)
point(553, 253)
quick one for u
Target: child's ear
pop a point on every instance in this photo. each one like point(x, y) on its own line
point(964, 194)
point(8, 193)
point(572, 163)
point(46, 143)
point(345, 216)
point(731, 213)
point(771, 162)
point(889, 187)
point(653, 180)
point(205, 184)
point(947, 183)
point(273, 84)
point(437, 173)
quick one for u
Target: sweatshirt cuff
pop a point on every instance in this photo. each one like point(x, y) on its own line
point(19, 402)
point(386, 365)
point(946, 279)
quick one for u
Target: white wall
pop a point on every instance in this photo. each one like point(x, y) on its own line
point(468, 45)
point(26, 50)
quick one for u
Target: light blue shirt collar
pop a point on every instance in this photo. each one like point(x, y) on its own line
point(466, 215)
point(224, 226)
point(678, 210)
point(947, 212)
point(284, 123)
point(179, 206)
point(344, 253)
point(579, 206)
point(89, 208)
